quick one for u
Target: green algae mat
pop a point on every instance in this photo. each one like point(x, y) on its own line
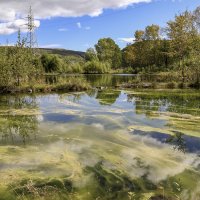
point(101, 145)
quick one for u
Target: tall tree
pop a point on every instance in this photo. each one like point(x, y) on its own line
point(182, 33)
point(108, 51)
point(139, 35)
point(90, 54)
point(129, 56)
point(197, 17)
point(152, 32)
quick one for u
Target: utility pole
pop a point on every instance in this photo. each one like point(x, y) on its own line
point(31, 36)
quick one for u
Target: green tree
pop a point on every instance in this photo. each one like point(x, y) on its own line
point(96, 67)
point(139, 35)
point(51, 63)
point(129, 56)
point(108, 51)
point(152, 32)
point(182, 34)
point(18, 64)
point(91, 54)
point(152, 37)
point(196, 15)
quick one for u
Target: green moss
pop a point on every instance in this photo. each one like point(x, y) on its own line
point(113, 184)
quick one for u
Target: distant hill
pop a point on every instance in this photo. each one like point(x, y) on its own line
point(63, 52)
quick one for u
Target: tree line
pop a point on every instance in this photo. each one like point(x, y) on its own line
point(174, 48)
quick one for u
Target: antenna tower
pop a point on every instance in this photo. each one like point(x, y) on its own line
point(31, 36)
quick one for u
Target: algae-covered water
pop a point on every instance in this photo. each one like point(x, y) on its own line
point(101, 145)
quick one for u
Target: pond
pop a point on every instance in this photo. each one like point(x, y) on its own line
point(108, 144)
point(105, 80)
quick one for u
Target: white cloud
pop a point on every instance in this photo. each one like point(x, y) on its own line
point(12, 10)
point(13, 26)
point(127, 40)
point(62, 29)
point(79, 25)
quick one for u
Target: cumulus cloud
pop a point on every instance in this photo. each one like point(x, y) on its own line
point(127, 40)
point(13, 26)
point(12, 10)
point(57, 8)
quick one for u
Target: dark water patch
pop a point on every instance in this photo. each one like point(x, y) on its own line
point(179, 141)
point(59, 118)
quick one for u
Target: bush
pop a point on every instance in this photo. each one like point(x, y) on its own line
point(171, 85)
point(73, 64)
point(96, 67)
point(72, 84)
point(195, 85)
point(182, 85)
point(51, 63)
point(154, 85)
point(76, 68)
point(18, 66)
point(129, 70)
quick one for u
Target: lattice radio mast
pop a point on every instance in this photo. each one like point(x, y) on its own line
point(31, 36)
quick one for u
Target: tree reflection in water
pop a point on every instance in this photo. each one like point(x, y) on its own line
point(165, 101)
point(178, 141)
point(178, 109)
point(107, 97)
point(17, 128)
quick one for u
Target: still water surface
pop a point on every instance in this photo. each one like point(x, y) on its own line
point(109, 144)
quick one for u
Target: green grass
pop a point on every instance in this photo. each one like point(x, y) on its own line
point(70, 85)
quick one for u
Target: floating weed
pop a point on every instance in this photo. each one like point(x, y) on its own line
point(43, 189)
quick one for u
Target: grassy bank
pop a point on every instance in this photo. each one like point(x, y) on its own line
point(157, 85)
point(162, 80)
point(72, 84)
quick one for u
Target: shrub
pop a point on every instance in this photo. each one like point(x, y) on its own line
point(72, 84)
point(51, 63)
point(170, 85)
point(182, 85)
point(96, 67)
point(154, 85)
point(76, 68)
point(195, 85)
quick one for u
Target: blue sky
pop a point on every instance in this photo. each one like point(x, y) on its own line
point(82, 32)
